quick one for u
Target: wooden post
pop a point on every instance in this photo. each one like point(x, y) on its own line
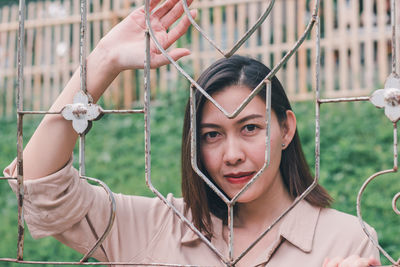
point(343, 37)
point(12, 44)
point(266, 37)
point(382, 51)
point(290, 40)
point(302, 52)
point(3, 59)
point(355, 60)
point(329, 51)
point(368, 16)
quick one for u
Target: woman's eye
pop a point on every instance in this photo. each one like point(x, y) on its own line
point(210, 136)
point(250, 128)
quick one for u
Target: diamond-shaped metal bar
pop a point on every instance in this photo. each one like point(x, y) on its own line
point(255, 90)
point(148, 143)
point(394, 203)
point(20, 175)
point(195, 167)
point(110, 219)
point(242, 40)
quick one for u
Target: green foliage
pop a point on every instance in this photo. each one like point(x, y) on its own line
point(356, 142)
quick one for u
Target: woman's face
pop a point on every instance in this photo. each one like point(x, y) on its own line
point(233, 150)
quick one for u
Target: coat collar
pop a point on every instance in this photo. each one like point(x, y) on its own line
point(298, 228)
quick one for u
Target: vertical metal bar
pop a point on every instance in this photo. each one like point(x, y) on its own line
point(83, 73)
point(230, 224)
point(317, 96)
point(395, 153)
point(147, 94)
point(268, 111)
point(82, 45)
point(82, 168)
point(393, 24)
point(20, 99)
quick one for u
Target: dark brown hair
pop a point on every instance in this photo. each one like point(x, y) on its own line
point(296, 175)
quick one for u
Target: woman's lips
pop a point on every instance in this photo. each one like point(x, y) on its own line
point(239, 178)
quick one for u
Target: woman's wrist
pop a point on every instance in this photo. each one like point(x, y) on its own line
point(102, 69)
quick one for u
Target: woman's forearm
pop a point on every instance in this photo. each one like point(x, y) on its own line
point(52, 144)
point(122, 48)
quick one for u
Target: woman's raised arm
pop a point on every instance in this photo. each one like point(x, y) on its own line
point(122, 48)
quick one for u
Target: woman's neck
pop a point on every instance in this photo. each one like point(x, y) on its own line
point(263, 211)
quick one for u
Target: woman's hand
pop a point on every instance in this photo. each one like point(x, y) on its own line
point(126, 43)
point(352, 261)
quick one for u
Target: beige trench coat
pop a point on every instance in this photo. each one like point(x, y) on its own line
point(147, 231)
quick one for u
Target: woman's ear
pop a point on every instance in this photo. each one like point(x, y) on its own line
point(288, 127)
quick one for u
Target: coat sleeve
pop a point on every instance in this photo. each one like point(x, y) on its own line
point(76, 213)
point(366, 248)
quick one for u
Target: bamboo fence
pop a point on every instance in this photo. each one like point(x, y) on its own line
point(355, 47)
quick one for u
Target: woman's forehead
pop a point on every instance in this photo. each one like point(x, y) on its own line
point(230, 99)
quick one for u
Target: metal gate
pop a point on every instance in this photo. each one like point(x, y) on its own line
point(387, 98)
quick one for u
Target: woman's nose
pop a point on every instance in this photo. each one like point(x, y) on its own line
point(233, 152)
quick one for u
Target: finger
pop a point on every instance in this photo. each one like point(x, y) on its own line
point(334, 262)
point(372, 261)
point(153, 4)
point(354, 261)
point(165, 8)
point(160, 60)
point(179, 29)
point(174, 14)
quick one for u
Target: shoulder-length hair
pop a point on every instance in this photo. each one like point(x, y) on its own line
point(296, 175)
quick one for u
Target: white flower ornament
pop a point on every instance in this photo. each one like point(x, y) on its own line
point(389, 97)
point(81, 113)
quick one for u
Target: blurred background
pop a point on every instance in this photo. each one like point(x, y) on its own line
point(356, 58)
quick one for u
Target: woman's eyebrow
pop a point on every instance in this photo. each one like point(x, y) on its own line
point(209, 125)
point(249, 117)
point(242, 120)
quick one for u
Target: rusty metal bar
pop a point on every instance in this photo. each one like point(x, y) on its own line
point(241, 41)
point(110, 220)
point(104, 111)
point(297, 200)
point(317, 146)
point(146, 111)
point(20, 147)
point(268, 111)
point(359, 213)
point(8, 178)
point(343, 99)
point(82, 46)
point(317, 155)
point(29, 112)
point(132, 111)
point(82, 167)
point(393, 25)
point(231, 234)
point(193, 146)
point(395, 153)
point(255, 90)
point(395, 198)
point(99, 263)
point(147, 141)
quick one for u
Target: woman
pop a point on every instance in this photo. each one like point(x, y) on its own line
point(60, 204)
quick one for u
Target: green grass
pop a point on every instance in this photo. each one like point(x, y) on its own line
point(356, 142)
